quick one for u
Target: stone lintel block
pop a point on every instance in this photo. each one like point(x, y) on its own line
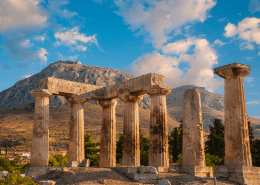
point(66, 87)
point(147, 169)
point(234, 69)
point(158, 89)
point(145, 176)
point(134, 85)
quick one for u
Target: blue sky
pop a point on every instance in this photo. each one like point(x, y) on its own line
point(184, 40)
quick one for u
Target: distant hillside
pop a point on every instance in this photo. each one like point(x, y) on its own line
point(19, 94)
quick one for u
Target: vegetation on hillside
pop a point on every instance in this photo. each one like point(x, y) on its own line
point(91, 150)
point(58, 160)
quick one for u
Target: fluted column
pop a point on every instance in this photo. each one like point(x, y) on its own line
point(237, 145)
point(131, 145)
point(76, 135)
point(158, 142)
point(108, 133)
point(40, 138)
point(192, 139)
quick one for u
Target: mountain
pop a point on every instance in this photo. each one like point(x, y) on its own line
point(19, 94)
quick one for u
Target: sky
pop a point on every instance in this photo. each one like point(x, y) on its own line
point(184, 40)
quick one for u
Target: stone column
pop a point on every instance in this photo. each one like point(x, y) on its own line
point(237, 146)
point(76, 136)
point(192, 139)
point(131, 145)
point(108, 133)
point(158, 142)
point(40, 138)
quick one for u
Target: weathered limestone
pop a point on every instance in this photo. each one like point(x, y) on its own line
point(158, 142)
point(192, 140)
point(238, 163)
point(76, 136)
point(193, 156)
point(131, 146)
point(237, 147)
point(40, 139)
point(108, 133)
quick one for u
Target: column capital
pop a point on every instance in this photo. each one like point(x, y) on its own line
point(232, 70)
point(41, 93)
point(159, 89)
point(75, 99)
point(107, 103)
point(130, 97)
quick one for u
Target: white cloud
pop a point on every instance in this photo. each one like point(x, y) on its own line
point(254, 102)
point(42, 55)
point(248, 58)
point(249, 79)
point(18, 78)
point(258, 53)
point(159, 18)
point(219, 42)
point(20, 13)
point(72, 37)
point(246, 45)
point(40, 38)
point(200, 64)
point(254, 6)
point(26, 44)
point(247, 30)
point(57, 7)
point(71, 58)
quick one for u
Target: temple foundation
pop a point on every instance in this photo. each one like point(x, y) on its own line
point(238, 163)
point(193, 156)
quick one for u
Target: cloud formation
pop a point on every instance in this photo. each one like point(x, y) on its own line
point(254, 6)
point(254, 102)
point(249, 79)
point(199, 64)
point(20, 13)
point(159, 18)
point(247, 30)
point(42, 55)
point(73, 37)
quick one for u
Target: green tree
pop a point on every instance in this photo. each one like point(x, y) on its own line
point(254, 146)
point(5, 164)
point(58, 161)
point(175, 142)
point(215, 144)
point(17, 179)
point(119, 149)
point(144, 150)
point(91, 150)
point(212, 160)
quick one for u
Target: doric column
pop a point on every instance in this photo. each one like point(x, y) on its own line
point(192, 139)
point(76, 136)
point(131, 145)
point(40, 138)
point(237, 146)
point(158, 142)
point(108, 133)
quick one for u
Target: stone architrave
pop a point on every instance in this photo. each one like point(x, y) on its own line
point(40, 139)
point(237, 146)
point(108, 133)
point(158, 142)
point(131, 145)
point(76, 150)
point(192, 139)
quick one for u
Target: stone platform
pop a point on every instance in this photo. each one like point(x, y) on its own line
point(199, 171)
point(244, 175)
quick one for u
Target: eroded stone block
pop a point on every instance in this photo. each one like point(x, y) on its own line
point(73, 164)
point(147, 169)
point(84, 163)
point(164, 182)
point(47, 182)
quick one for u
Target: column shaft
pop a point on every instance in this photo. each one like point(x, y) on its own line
point(76, 137)
point(193, 142)
point(131, 146)
point(158, 144)
point(40, 139)
point(108, 134)
point(237, 145)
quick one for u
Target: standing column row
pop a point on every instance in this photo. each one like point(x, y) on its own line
point(40, 138)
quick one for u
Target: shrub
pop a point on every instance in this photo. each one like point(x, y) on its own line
point(58, 161)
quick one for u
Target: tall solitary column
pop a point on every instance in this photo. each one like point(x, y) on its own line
point(108, 133)
point(237, 146)
point(158, 142)
point(192, 139)
point(76, 135)
point(131, 145)
point(40, 139)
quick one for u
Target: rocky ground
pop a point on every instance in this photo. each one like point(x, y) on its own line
point(96, 175)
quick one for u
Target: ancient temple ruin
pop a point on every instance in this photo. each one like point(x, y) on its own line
point(131, 92)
